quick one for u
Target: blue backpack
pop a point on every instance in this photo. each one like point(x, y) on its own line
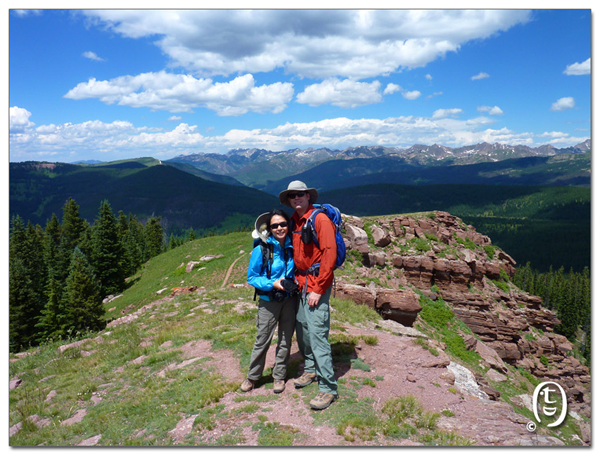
point(310, 234)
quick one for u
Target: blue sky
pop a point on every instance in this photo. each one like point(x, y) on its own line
point(116, 84)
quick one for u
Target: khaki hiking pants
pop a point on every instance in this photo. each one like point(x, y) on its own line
point(270, 315)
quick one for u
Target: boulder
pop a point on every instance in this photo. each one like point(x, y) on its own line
point(380, 236)
point(490, 356)
point(398, 305)
point(358, 238)
point(358, 294)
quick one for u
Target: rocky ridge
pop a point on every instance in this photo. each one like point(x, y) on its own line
point(400, 258)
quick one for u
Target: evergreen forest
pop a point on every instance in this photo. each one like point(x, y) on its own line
point(60, 274)
point(568, 295)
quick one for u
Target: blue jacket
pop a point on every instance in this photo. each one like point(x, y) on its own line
point(280, 268)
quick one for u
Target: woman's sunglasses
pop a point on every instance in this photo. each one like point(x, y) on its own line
point(277, 225)
point(295, 195)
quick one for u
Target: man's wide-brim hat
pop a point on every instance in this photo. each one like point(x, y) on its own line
point(295, 186)
point(261, 227)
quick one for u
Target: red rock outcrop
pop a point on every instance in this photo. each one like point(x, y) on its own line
point(440, 256)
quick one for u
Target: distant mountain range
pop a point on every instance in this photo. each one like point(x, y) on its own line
point(261, 168)
point(220, 192)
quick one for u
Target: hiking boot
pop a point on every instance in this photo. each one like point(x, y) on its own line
point(322, 401)
point(278, 385)
point(305, 379)
point(247, 385)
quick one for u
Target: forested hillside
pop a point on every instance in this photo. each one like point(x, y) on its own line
point(546, 226)
point(560, 170)
point(146, 189)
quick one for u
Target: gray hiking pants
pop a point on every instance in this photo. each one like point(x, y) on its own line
point(312, 331)
point(271, 315)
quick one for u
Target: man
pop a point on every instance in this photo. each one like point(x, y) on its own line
point(314, 273)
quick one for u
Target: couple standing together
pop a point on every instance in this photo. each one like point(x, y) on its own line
point(311, 266)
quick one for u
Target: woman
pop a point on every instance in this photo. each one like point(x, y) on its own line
point(276, 307)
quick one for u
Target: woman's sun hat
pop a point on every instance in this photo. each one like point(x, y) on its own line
point(297, 185)
point(261, 227)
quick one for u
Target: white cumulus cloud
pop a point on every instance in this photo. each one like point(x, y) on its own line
point(391, 88)
point(411, 95)
point(120, 139)
point(19, 119)
point(563, 104)
point(579, 69)
point(343, 93)
point(480, 76)
point(443, 113)
point(491, 110)
point(183, 93)
point(92, 56)
point(310, 43)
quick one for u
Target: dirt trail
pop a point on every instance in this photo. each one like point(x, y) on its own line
point(398, 367)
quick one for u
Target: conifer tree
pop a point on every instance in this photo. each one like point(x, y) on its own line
point(72, 224)
point(153, 233)
point(82, 299)
point(136, 241)
point(192, 234)
point(34, 258)
point(52, 321)
point(107, 251)
point(58, 259)
point(27, 278)
point(122, 225)
point(21, 314)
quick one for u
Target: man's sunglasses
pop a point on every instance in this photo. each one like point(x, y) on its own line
point(295, 195)
point(276, 225)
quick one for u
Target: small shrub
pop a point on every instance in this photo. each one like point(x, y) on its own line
point(502, 285)
point(432, 237)
point(369, 382)
point(359, 364)
point(371, 340)
point(466, 242)
point(490, 250)
point(421, 245)
point(402, 408)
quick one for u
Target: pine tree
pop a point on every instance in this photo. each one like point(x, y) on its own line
point(172, 242)
point(107, 252)
point(72, 224)
point(26, 283)
point(192, 235)
point(53, 319)
point(58, 258)
point(82, 299)
point(122, 225)
point(137, 240)
point(153, 233)
point(35, 261)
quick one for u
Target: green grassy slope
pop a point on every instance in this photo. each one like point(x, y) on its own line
point(132, 384)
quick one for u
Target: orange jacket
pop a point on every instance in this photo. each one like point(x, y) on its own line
point(306, 255)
